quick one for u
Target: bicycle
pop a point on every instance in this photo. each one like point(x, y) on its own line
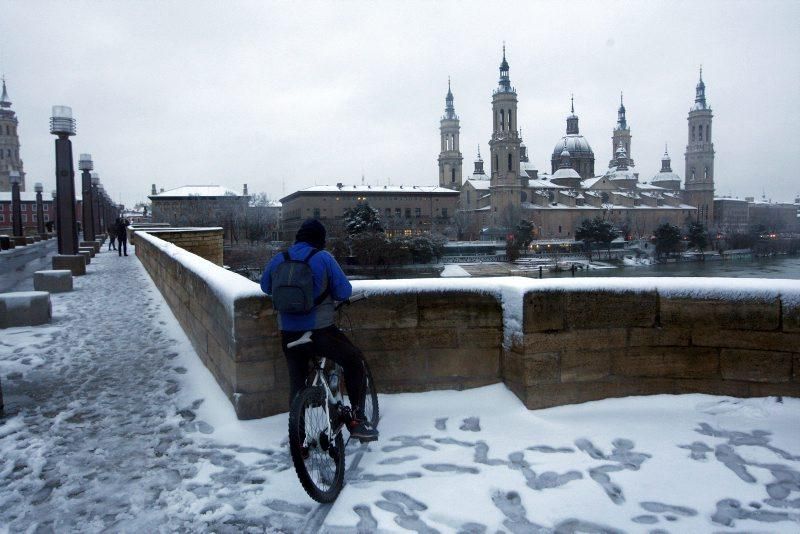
point(316, 420)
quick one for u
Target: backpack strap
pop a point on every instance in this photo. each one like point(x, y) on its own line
point(327, 291)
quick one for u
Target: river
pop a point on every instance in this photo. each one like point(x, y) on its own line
point(774, 267)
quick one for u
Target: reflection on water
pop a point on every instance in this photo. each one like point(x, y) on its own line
point(779, 267)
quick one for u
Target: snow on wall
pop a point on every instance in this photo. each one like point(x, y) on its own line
point(510, 291)
point(227, 286)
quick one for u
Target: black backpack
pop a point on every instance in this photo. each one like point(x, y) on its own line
point(293, 286)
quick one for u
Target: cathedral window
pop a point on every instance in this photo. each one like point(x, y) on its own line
point(708, 133)
point(700, 132)
point(510, 127)
point(452, 176)
point(692, 133)
point(509, 162)
point(502, 119)
point(705, 175)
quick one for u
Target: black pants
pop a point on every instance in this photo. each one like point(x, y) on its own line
point(123, 245)
point(331, 343)
point(111, 243)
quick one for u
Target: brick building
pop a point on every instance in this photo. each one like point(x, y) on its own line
point(28, 211)
point(403, 209)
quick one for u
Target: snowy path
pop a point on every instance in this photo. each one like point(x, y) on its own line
point(115, 425)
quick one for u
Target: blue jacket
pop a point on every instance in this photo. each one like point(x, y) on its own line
point(327, 273)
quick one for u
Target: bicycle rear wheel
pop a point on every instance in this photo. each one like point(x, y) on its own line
point(318, 461)
point(371, 409)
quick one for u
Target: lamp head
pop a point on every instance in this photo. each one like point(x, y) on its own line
point(13, 177)
point(85, 163)
point(61, 122)
point(54, 193)
point(38, 187)
point(95, 179)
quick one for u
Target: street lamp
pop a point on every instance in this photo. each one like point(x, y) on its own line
point(39, 210)
point(98, 227)
point(16, 209)
point(62, 125)
point(85, 164)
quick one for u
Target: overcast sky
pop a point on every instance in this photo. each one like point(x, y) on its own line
point(284, 95)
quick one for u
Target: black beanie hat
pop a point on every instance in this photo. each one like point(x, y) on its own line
point(312, 232)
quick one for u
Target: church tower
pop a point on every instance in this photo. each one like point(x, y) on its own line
point(9, 143)
point(699, 175)
point(506, 187)
point(450, 156)
point(622, 134)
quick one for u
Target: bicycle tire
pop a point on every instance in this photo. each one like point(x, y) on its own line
point(371, 408)
point(321, 471)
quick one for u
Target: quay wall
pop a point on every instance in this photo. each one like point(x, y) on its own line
point(551, 342)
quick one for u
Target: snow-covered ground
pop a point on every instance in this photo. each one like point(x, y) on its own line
point(115, 425)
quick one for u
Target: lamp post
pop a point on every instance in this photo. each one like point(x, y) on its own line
point(63, 125)
point(16, 209)
point(98, 227)
point(39, 210)
point(85, 164)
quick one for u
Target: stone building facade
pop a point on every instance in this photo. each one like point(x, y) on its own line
point(404, 210)
point(9, 143)
point(202, 205)
point(490, 206)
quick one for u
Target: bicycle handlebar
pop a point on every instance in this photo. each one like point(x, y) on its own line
point(354, 298)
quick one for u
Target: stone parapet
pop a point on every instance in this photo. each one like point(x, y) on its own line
point(551, 342)
point(204, 242)
point(581, 345)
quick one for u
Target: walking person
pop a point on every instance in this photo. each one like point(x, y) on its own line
point(122, 236)
point(112, 236)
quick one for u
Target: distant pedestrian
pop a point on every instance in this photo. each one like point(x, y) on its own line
point(122, 235)
point(112, 236)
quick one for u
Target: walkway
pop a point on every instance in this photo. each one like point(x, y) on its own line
point(115, 425)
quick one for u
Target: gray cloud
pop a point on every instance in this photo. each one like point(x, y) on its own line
point(181, 92)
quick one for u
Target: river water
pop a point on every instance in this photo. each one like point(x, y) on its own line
point(775, 267)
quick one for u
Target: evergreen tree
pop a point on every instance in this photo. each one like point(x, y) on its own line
point(362, 218)
point(593, 231)
point(698, 236)
point(523, 234)
point(668, 237)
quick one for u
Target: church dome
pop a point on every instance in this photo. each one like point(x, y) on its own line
point(577, 146)
point(665, 177)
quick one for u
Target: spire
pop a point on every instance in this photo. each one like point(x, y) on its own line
point(700, 96)
point(505, 82)
point(622, 123)
point(449, 110)
point(479, 163)
point(665, 161)
point(572, 120)
point(4, 101)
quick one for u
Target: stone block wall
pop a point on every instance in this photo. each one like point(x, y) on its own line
point(582, 345)
point(205, 242)
point(575, 344)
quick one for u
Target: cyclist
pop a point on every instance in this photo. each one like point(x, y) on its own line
point(330, 284)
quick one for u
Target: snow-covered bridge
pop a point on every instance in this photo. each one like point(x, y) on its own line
point(114, 423)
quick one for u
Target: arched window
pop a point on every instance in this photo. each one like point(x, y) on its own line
point(509, 163)
point(510, 127)
point(700, 132)
point(708, 133)
point(502, 120)
point(452, 176)
point(692, 132)
point(705, 174)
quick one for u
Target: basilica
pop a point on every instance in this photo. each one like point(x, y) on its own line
point(557, 202)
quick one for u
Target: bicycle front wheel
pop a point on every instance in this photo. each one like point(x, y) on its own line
point(318, 459)
point(371, 409)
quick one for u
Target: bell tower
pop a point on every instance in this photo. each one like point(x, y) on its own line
point(9, 143)
point(450, 156)
point(622, 134)
point(506, 187)
point(699, 175)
